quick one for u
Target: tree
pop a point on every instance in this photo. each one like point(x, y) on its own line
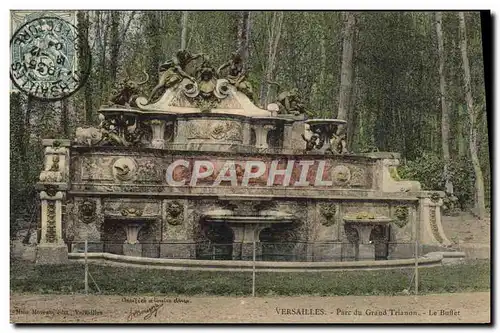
point(116, 40)
point(114, 45)
point(445, 119)
point(244, 36)
point(83, 36)
point(153, 39)
point(273, 41)
point(347, 72)
point(184, 21)
point(480, 209)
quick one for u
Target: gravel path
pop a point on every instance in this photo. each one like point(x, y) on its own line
point(442, 308)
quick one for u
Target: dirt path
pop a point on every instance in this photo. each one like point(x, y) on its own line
point(465, 228)
point(443, 308)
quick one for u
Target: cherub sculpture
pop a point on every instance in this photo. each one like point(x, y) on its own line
point(127, 92)
point(237, 76)
point(173, 71)
point(207, 78)
point(316, 141)
point(289, 102)
point(338, 144)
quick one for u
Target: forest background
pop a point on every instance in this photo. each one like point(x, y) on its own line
point(408, 82)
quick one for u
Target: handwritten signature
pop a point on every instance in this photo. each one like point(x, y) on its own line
point(148, 313)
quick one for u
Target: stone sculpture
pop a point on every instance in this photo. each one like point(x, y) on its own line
point(338, 145)
point(289, 101)
point(237, 76)
point(126, 92)
point(173, 71)
point(316, 140)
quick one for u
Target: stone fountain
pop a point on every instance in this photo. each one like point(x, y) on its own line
point(197, 151)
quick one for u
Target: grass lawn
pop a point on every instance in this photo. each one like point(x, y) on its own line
point(25, 277)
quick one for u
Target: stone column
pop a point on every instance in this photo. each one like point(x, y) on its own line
point(132, 246)
point(261, 135)
point(158, 129)
point(178, 217)
point(51, 249)
point(244, 236)
point(429, 225)
point(238, 232)
point(287, 136)
point(366, 251)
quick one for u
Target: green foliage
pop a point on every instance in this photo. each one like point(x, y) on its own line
point(428, 170)
point(63, 279)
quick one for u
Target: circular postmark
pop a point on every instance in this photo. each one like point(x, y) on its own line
point(49, 60)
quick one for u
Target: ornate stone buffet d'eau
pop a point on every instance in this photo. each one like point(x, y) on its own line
point(198, 162)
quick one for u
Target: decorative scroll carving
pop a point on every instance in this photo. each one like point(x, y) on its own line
point(215, 130)
point(328, 211)
point(433, 222)
point(357, 176)
point(173, 72)
point(222, 88)
point(51, 234)
point(402, 216)
point(198, 130)
point(175, 212)
point(147, 170)
point(87, 211)
point(228, 130)
point(131, 211)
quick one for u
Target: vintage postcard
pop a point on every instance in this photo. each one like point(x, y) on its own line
point(249, 166)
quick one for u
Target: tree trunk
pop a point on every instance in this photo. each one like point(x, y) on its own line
point(65, 118)
point(102, 72)
point(184, 20)
point(346, 76)
point(244, 36)
point(114, 45)
point(274, 37)
point(152, 26)
point(480, 209)
point(445, 119)
point(83, 34)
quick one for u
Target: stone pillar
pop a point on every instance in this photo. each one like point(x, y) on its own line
point(51, 249)
point(297, 143)
point(366, 250)
point(429, 225)
point(177, 237)
point(53, 183)
point(158, 129)
point(287, 136)
point(238, 232)
point(244, 236)
point(132, 246)
point(261, 135)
